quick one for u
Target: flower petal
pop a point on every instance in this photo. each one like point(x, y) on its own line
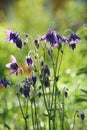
point(12, 72)
point(8, 31)
point(8, 39)
point(13, 59)
point(43, 38)
point(8, 65)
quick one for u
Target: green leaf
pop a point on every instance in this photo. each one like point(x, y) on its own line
point(85, 91)
point(82, 71)
point(81, 99)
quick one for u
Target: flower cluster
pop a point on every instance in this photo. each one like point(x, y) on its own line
point(55, 39)
point(40, 78)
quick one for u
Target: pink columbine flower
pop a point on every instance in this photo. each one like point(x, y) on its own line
point(13, 66)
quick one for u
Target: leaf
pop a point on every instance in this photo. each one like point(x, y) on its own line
point(45, 114)
point(82, 71)
point(81, 99)
point(85, 91)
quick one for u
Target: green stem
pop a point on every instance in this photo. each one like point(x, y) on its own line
point(63, 105)
point(27, 107)
point(36, 119)
point(32, 116)
point(20, 106)
point(53, 91)
point(44, 98)
point(24, 117)
point(58, 68)
point(54, 88)
point(74, 120)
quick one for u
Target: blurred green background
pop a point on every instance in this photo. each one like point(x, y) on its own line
point(36, 17)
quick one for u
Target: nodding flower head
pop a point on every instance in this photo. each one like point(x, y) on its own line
point(13, 65)
point(53, 38)
point(45, 71)
point(25, 91)
point(82, 115)
point(50, 37)
point(29, 61)
point(73, 40)
point(36, 42)
point(14, 37)
point(4, 82)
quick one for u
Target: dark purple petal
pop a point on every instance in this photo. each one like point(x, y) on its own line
point(34, 78)
point(14, 66)
point(29, 61)
point(74, 37)
point(50, 37)
point(12, 72)
point(82, 116)
point(4, 82)
point(18, 43)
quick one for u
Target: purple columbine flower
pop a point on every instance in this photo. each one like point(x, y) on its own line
point(45, 71)
point(50, 37)
point(4, 82)
point(29, 61)
point(73, 40)
point(14, 37)
point(13, 66)
point(54, 38)
point(25, 91)
point(36, 42)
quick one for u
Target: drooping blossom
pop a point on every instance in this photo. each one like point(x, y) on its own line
point(73, 40)
point(29, 61)
point(82, 115)
point(4, 82)
point(36, 42)
point(14, 37)
point(13, 65)
point(53, 38)
point(45, 71)
point(25, 91)
point(50, 37)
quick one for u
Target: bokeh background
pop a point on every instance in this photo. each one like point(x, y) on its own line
point(36, 17)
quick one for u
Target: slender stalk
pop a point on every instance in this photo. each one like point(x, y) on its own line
point(49, 121)
point(55, 66)
point(32, 116)
point(24, 117)
point(44, 98)
point(53, 91)
point(63, 109)
point(58, 68)
point(74, 120)
point(20, 106)
point(26, 126)
point(7, 126)
point(27, 107)
point(36, 119)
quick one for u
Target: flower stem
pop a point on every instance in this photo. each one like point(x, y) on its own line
point(74, 120)
point(36, 119)
point(63, 108)
point(32, 115)
point(24, 117)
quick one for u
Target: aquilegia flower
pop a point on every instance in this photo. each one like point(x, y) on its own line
point(54, 38)
point(13, 66)
point(29, 61)
point(4, 82)
point(45, 71)
point(73, 40)
point(25, 91)
point(50, 37)
point(14, 37)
